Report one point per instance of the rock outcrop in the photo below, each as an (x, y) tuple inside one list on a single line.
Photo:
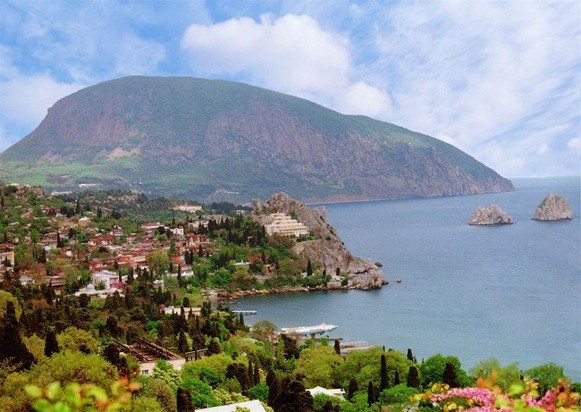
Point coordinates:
[(553, 207), (327, 250), (491, 215)]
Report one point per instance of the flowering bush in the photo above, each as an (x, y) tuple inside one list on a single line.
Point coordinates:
[(488, 397)]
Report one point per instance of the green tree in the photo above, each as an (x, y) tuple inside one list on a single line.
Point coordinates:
[(397, 394), (547, 375), (317, 364), (158, 262), (74, 367), (432, 370), (505, 375), (74, 339), (353, 387), (259, 391), (161, 390)]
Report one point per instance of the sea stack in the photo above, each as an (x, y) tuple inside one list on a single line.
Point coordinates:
[(491, 215), (553, 207)]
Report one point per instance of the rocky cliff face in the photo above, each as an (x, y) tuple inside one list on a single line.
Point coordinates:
[(491, 215), (327, 250), (553, 207)]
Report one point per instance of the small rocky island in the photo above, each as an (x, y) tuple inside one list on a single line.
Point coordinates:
[(553, 207), (491, 215), (325, 249)]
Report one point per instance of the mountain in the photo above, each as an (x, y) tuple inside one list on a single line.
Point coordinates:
[(217, 140)]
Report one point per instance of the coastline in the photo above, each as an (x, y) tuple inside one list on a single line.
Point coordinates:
[(287, 289)]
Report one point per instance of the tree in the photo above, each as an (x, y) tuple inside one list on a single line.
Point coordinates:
[(273, 387), (65, 368), (432, 370), (410, 355), (51, 344), (353, 387), (183, 346), (317, 365), (383, 374), (158, 262), (449, 376), (12, 348), (73, 339), (184, 401), (214, 347), (370, 394), (413, 380), (309, 268), (546, 375), (337, 347), (504, 376)]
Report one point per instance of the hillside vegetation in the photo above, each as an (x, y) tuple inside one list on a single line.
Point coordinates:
[(216, 140)]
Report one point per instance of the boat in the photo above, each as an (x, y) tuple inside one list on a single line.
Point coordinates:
[(309, 330)]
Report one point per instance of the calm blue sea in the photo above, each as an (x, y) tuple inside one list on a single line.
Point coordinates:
[(512, 292)]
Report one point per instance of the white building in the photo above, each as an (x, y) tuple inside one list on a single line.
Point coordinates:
[(283, 224), (105, 277)]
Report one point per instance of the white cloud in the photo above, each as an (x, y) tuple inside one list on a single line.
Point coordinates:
[(25, 99), (575, 144), (490, 76), (291, 54)]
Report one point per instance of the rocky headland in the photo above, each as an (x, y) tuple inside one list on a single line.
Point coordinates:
[(491, 215), (326, 250), (553, 207)]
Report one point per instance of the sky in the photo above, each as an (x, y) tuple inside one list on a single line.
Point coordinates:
[(499, 80)]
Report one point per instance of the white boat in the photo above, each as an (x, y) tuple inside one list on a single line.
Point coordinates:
[(309, 330)]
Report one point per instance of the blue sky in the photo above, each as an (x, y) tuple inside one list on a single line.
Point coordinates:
[(500, 80)]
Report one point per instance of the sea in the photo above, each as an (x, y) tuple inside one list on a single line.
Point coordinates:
[(512, 292)]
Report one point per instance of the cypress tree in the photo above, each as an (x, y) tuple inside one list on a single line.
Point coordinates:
[(12, 348), (273, 388), (337, 347), (241, 321), (396, 379), (180, 281), (51, 344), (352, 389), (383, 383), (186, 303), (256, 374), (309, 268), (450, 377), (214, 347), (182, 342), (370, 394), (184, 400), (410, 355), (413, 380)]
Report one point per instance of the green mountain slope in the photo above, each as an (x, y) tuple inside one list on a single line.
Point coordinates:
[(212, 140)]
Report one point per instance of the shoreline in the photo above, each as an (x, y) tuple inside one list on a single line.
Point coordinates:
[(238, 294)]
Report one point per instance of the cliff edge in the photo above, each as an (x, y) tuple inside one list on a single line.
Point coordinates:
[(327, 250)]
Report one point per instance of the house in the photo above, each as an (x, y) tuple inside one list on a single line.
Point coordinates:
[(151, 226), (6, 254), (189, 208), (253, 406), (147, 353), (339, 393), (84, 221), (104, 277), (91, 291), (283, 224)]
